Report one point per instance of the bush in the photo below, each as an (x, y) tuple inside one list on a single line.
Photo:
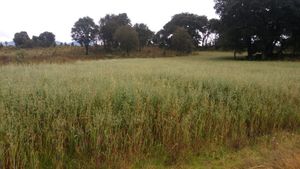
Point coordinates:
[(181, 41), (127, 38)]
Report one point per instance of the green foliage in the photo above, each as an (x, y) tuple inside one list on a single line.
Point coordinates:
[(84, 32), (194, 24), (22, 40), (259, 26), (127, 38), (144, 33), (109, 25), (181, 41), (161, 39), (46, 39), (106, 114)]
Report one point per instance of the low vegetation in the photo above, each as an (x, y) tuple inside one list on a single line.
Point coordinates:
[(115, 113), (63, 54)]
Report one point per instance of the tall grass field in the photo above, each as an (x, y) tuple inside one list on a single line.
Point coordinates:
[(114, 113)]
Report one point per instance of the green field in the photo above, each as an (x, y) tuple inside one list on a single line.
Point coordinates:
[(121, 113)]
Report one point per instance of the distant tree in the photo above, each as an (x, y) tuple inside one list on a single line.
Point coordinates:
[(84, 32), (181, 41), (194, 24), (109, 25), (46, 39), (22, 40), (144, 33), (35, 41), (161, 39), (127, 38), (1, 45), (6, 43)]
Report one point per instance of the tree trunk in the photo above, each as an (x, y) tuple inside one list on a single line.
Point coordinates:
[(250, 53), (205, 38), (295, 46), (249, 49), (234, 54), (86, 49), (294, 51), (268, 52), (281, 49)]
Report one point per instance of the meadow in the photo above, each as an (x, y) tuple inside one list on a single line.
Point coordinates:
[(67, 54), (120, 113)]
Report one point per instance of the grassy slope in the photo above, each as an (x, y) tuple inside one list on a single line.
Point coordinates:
[(131, 107)]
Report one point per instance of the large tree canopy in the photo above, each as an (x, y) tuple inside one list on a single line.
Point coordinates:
[(194, 24), (127, 38), (46, 39), (144, 33), (259, 26), (22, 40), (109, 25), (181, 41), (84, 32)]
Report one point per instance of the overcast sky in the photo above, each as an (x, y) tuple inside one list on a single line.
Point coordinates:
[(58, 16)]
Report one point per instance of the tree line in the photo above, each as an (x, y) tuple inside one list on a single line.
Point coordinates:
[(45, 39), (183, 33), (113, 31), (265, 29)]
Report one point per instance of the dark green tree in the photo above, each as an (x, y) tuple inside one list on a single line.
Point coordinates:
[(144, 33), (237, 25), (85, 32), (46, 39), (161, 39), (194, 24), (109, 25), (181, 41), (22, 40), (293, 25), (127, 38), (35, 41), (259, 26)]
